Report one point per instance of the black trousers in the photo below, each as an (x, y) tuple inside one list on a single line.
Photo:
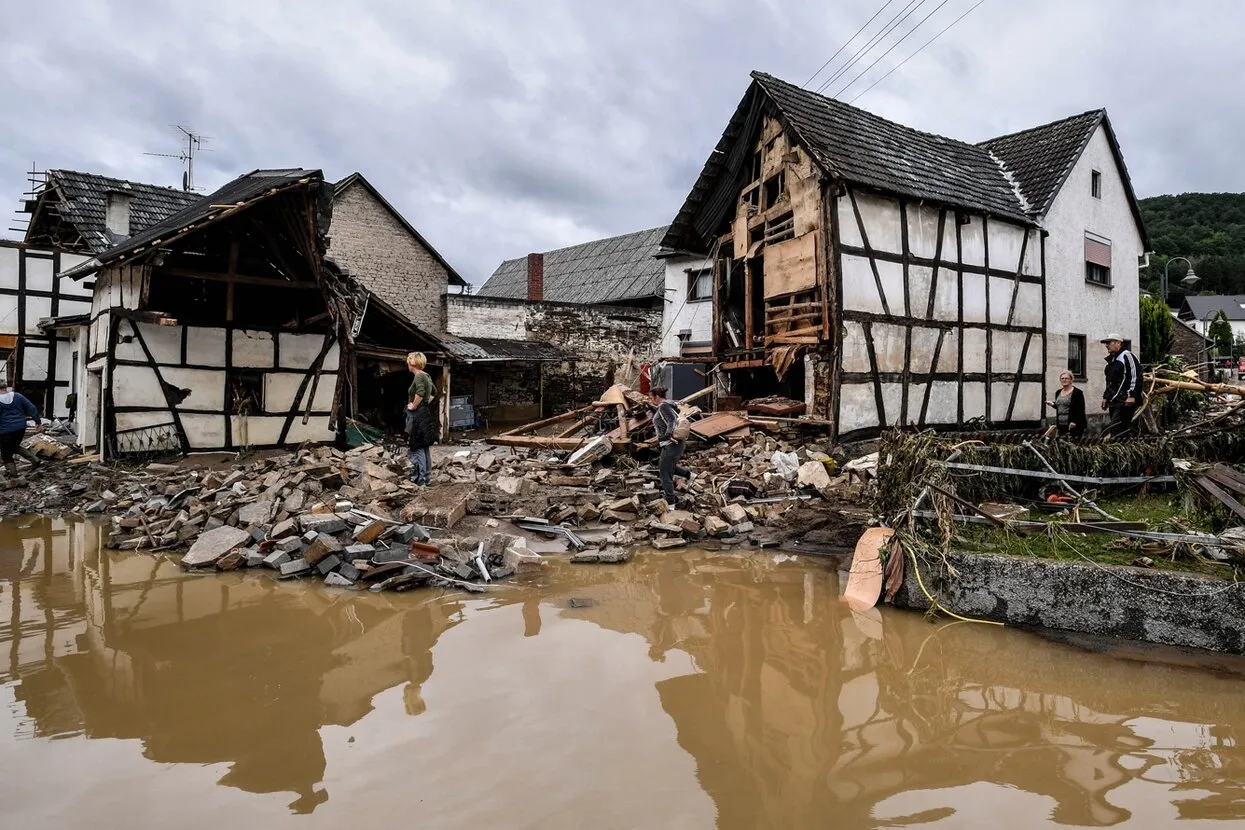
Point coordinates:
[(10, 444), (1121, 425), (668, 467)]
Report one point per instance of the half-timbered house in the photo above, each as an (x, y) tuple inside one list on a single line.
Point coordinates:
[(884, 275), (221, 326)]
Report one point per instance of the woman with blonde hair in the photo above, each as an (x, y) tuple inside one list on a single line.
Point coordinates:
[(1069, 405), (421, 419)]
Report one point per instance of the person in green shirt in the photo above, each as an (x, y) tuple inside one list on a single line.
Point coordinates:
[(421, 420)]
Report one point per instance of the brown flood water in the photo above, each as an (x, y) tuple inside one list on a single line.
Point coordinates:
[(683, 690)]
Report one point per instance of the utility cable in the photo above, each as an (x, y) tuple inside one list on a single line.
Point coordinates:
[(917, 52), (859, 55), (847, 43), (909, 34)]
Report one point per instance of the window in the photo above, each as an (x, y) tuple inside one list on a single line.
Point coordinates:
[(699, 285), (1076, 355), (1095, 184), (775, 189), (1097, 260)]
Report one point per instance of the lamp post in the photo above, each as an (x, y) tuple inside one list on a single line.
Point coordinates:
[(1189, 280)]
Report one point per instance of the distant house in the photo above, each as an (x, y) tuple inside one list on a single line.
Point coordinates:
[(618, 271), (888, 276), (1200, 312), (1190, 345), (1072, 178)]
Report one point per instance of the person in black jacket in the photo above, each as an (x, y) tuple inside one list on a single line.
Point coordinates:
[(1069, 405), (665, 419), (1123, 390)]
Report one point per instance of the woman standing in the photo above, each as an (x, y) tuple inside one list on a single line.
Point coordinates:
[(421, 422), (1069, 406)]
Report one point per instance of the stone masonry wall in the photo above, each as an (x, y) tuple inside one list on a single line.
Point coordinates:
[(599, 337), (369, 242)]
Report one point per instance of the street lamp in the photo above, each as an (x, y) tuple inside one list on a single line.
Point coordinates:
[(1189, 280)]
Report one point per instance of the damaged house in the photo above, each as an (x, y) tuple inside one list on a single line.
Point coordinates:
[(883, 275), (549, 332), (223, 326)]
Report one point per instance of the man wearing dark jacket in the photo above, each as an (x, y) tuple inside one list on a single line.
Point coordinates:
[(665, 419), (1123, 390), (15, 408)]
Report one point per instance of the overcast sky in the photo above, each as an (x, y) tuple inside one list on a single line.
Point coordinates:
[(500, 127)]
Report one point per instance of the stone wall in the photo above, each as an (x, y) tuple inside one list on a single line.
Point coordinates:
[(1112, 601), (374, 246), (1188, 344), (598, 338)]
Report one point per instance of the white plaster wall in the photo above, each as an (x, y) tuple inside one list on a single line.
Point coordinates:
[(480, 317), (679, 313), (253, 349), (299, 351), (1072, 305)]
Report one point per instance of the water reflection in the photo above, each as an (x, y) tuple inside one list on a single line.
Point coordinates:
[(796, 712)]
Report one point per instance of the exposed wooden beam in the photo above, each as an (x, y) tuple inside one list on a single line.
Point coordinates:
[(239, 278)]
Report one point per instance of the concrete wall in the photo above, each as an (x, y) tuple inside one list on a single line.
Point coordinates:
[(983, 335), (370, 243), (1072, 304), (1112, 601), (681, 313)]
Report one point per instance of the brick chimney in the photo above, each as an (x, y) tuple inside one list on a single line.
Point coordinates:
[(535, 276), (117, 213)]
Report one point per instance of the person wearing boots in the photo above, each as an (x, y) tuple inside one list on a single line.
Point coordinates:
[(15, 408), (1123, 387)]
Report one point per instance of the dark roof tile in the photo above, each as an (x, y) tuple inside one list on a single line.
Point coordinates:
[(83, 203), (1040, 159), (602, 271)]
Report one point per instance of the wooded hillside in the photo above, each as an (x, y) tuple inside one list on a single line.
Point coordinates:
[(1209, 228)]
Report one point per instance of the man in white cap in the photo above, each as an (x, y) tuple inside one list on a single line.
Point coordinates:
[(1123, 389)]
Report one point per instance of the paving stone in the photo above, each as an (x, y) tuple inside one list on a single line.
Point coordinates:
[(295, 567), (214, 544), (322, 523), (328, 563)]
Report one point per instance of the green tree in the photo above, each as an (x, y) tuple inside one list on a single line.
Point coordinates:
[(1156, 329), (1221, 332)]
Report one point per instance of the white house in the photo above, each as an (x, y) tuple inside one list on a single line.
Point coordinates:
[(1072, 177), (687, 326), (1200, 312)]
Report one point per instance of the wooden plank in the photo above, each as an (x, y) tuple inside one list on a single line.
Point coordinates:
[(785, 309), (741, 234), (1226, 478), (556, 419), (718, 424), (743, 364), (791, 266), (535, 441), (1226, 500), (981, 468)]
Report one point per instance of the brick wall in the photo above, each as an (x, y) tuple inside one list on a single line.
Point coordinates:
[(1188, 344), (599, 337), (370, 243)]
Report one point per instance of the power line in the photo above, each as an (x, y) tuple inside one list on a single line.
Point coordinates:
[(847, 42), (892, 24), (909, 34), (918, 51)]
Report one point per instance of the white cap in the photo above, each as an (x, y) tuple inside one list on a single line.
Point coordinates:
[(1110, 337)]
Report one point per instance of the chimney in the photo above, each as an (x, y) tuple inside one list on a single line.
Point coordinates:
[(535, 276), (117, 216)]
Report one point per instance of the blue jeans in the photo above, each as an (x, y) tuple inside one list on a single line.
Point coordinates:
[(421, 464), (668, 467)]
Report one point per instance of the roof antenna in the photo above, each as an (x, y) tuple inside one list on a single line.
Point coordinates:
[(194, 143)]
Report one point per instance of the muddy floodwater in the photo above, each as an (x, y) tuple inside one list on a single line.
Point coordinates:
[(682, 690)]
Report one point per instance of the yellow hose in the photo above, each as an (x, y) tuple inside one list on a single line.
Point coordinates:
[(935, 604)]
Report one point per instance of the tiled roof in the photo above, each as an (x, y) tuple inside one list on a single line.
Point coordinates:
[(1040, 159), (867, 149), (848, 143), (477, 349), (242, 189), (605, 271), (1206, 307), (83, 203)]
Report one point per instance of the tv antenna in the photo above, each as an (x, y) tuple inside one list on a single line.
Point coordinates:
[(194, 144)]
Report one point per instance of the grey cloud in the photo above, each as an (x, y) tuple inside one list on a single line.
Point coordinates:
[(500, 128)]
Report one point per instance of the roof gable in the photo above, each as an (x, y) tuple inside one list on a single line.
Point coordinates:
[(357, 178), (1041, 159), (1205, 307), (80, 200), (850, 144), (610, 270)]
